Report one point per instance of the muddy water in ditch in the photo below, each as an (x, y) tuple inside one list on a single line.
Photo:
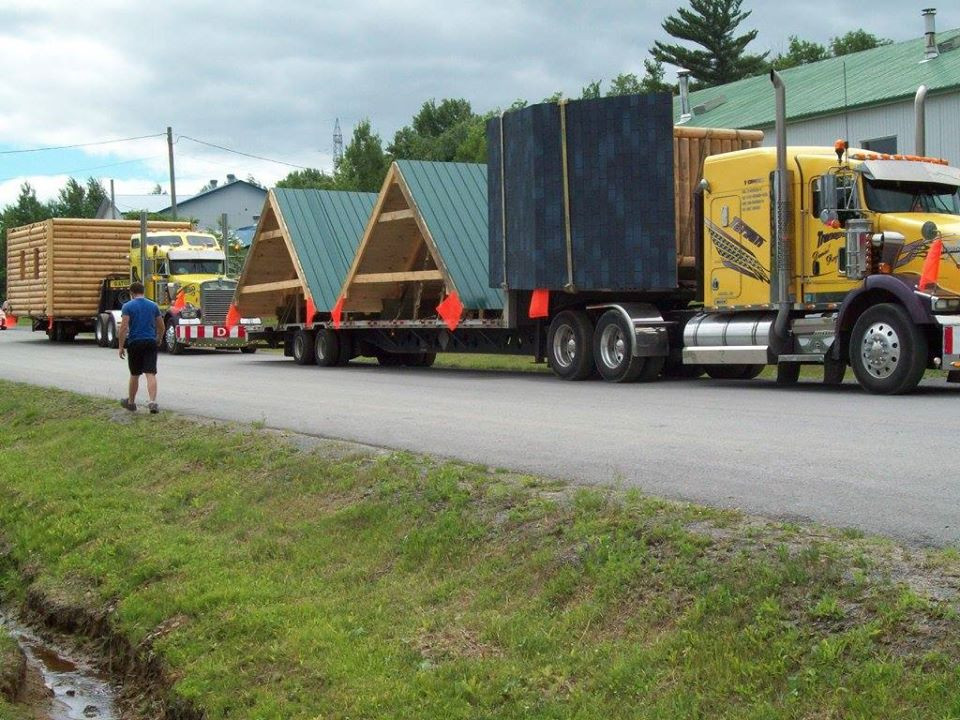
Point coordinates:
[(76, 691)]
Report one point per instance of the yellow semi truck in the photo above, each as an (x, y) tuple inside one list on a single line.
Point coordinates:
[(835, 240), (72, 275)]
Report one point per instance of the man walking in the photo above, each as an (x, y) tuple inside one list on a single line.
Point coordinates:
[(141, 331)]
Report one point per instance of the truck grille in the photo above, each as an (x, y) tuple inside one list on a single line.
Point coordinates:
[(215, 299)]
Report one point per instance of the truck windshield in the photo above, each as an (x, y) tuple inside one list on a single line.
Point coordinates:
[(201, 241), (890, 196), (196, 267)]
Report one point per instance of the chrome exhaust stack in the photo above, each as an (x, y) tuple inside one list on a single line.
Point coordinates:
[(919, 109), (780, 292)]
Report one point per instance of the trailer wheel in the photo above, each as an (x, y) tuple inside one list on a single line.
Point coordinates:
[(833, 371), (788, 373), (170, 342), (326, 348), (113, 342), (611, 349), (346, 349), (248, 349), (888, 352), (569, 342), (303, 347), (99, 331), (389, 359), (421, 359), (733, 372)]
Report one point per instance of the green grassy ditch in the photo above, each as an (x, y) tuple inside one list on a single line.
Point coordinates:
[(11, 677), (279, 577)]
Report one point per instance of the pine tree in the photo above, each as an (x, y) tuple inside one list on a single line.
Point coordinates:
[(711, 24)]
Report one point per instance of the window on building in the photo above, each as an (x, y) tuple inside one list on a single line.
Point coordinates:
[(887, 145), (23, 264), (36, 264)]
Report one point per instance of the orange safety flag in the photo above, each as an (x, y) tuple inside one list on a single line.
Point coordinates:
[(931, 266), (311, 310), (233, 316), (180, 302), (450, 310), (337, 313), (539, 304)]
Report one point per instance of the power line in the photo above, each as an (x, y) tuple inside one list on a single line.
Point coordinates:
[(238, 152), (80, 170), (78, 145)]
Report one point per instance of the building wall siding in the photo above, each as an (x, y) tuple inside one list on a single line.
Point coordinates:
[(241, 202), (943, 140)]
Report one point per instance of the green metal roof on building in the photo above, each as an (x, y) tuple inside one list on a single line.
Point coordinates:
[(452, 200), (864, 79), (326, 227)]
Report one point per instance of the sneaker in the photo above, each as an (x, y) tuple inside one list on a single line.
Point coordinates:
[(127, 405), (153, 407)]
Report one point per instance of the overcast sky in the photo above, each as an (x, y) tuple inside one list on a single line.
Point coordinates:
[(270, 78)]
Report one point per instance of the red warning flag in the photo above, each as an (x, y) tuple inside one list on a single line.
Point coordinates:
[(539, 304), (336, 313), (50, 324), (931, 266), (311, 310), (180, 302), (233, 316), (450, 310)]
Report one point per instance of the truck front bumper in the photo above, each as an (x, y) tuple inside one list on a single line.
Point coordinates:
[(214, 336)]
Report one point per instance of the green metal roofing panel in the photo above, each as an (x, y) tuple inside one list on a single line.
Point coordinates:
[(452, 200), (872, 77), (326, 227)]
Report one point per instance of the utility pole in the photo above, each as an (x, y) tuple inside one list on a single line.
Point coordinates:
[(337, 144), (173, 180), (143, 247), (226, 245), (113, 202)]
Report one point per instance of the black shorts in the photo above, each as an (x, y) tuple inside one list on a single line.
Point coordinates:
[(142, 357)]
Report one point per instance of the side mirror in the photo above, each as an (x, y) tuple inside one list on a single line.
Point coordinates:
[(929, 231)]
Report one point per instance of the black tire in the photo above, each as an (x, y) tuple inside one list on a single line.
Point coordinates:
[(326, 347), (612, 349), (674, 369), (303, 347), (248, 349), (113, 341), (733, 372), (346, 349), (99, 331), (833, 371), (421, 359), (389, 359), (170, 342), (888, 353), (569, 345), (788, 373)]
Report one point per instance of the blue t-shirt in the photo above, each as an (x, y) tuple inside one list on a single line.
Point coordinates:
[(142, 314)]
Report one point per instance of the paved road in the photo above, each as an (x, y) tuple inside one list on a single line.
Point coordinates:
[(837, 456)]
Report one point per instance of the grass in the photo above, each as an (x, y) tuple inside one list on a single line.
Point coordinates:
[(283, 582), (9, 664)]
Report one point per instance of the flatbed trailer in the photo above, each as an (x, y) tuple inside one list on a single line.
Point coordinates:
[(598, 249)]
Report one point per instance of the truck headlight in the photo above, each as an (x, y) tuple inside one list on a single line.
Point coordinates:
[(946, 303)]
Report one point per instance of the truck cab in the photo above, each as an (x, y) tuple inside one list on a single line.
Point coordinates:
[(859, 231), (185, 276)]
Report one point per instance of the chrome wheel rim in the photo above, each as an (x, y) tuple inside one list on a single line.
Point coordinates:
[(98, 331), (171, 337), (880, 350), (612, 346), (564, 346), (111, 332), (320, 347)]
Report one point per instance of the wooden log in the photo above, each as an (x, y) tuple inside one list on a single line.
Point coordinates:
[(396, 215), (271, 286), (390, 277)]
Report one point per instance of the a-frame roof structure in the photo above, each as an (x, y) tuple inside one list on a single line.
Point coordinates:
[(426, 238), (303, 246)]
